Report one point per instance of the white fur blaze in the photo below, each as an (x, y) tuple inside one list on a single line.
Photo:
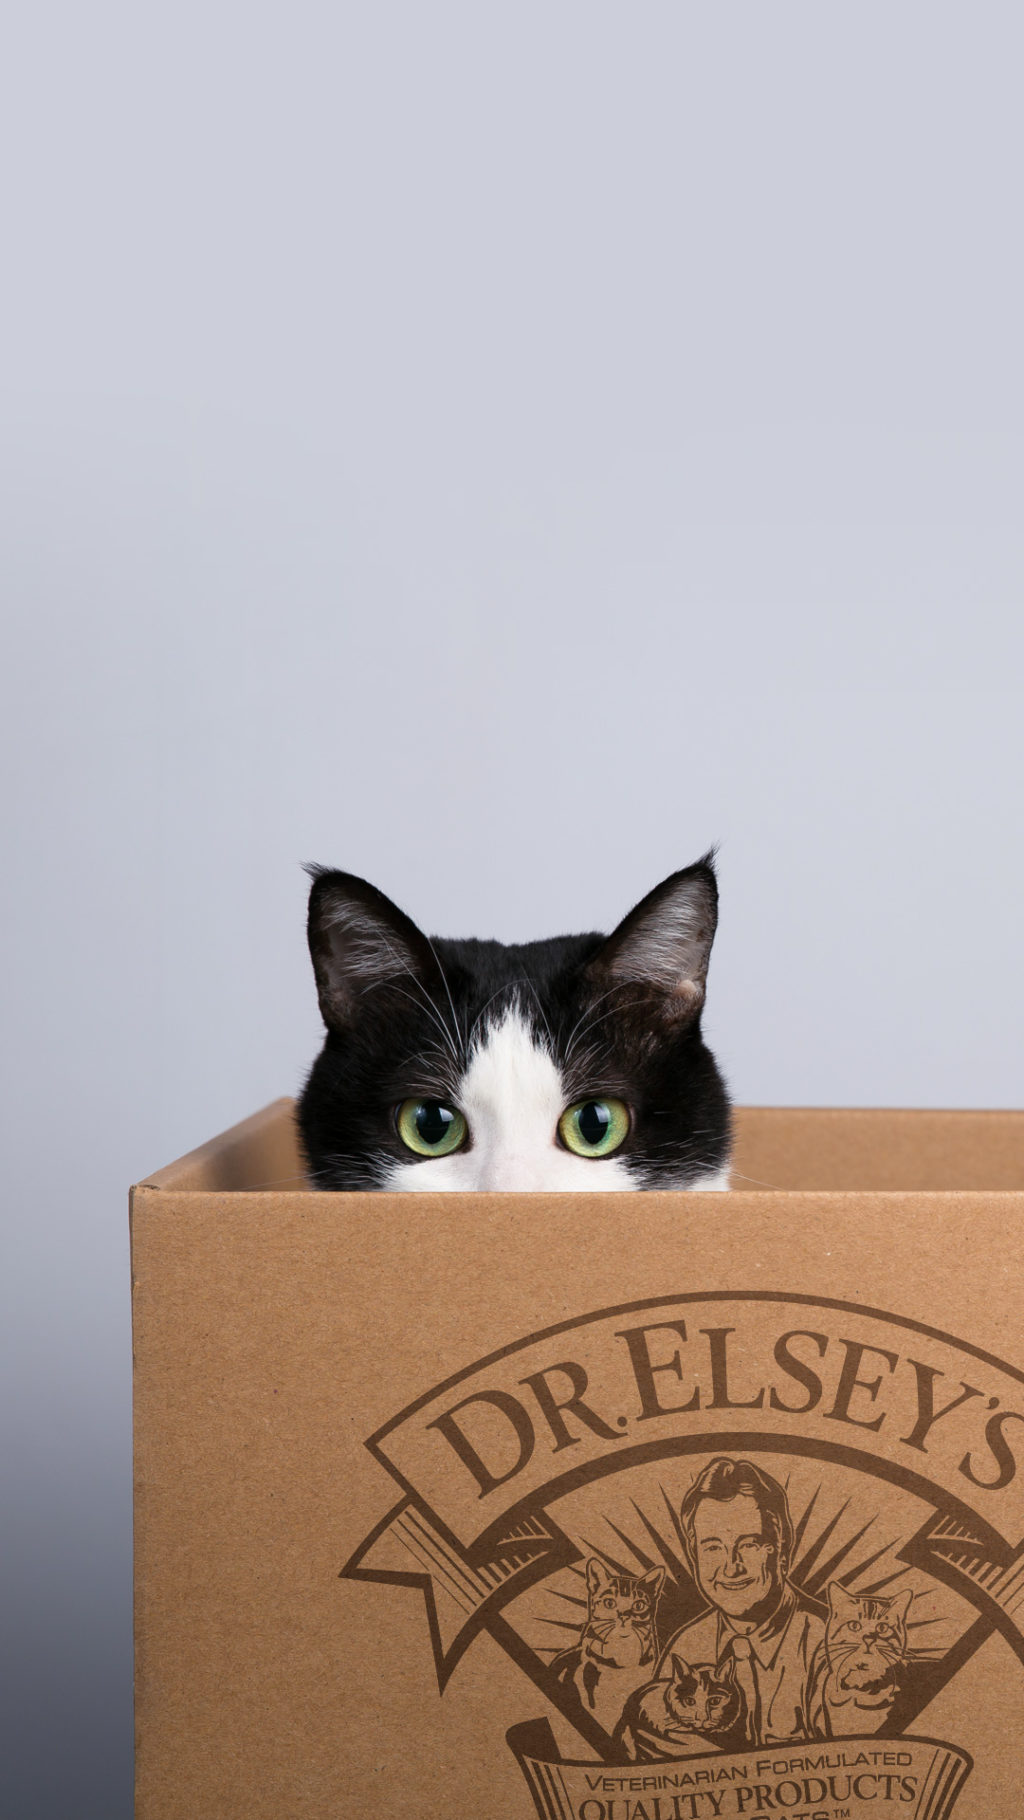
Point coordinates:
[(512, 1096)]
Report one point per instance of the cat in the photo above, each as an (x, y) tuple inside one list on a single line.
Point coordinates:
[(567, 1064), (618, 1646), (866, 1650), (698, 1708)]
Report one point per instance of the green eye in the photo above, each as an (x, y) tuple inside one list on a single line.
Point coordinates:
[(594, 1127), (430, 1127)]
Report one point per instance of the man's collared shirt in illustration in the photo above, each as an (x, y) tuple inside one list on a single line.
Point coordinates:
[(780, 1666)]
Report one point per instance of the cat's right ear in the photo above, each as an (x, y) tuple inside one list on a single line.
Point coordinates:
[(681, 1671), (654, 1580), (359, 939), (664, 944), (899, 1606)]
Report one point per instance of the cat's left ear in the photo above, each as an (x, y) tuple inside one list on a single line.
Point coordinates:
[(842, 1604), (664, 944), (598, 1576)]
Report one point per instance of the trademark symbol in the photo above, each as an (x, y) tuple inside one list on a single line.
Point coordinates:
[(842, 1813)]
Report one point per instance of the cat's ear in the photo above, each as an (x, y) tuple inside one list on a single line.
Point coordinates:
[(899, 1605), (681, 1670), (727, 1672), (665, 942), (598, 1576), (842, 1604), (359, 939), (653, 1581)]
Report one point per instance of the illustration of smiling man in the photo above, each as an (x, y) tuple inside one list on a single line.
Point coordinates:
[(738, 1536)]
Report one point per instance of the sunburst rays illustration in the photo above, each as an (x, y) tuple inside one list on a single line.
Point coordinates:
[(840, 1534)]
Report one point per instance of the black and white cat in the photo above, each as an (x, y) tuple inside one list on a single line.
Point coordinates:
[(575, 1063), (694, 1710)]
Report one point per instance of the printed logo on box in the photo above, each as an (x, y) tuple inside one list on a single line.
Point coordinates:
[(740, 1542)]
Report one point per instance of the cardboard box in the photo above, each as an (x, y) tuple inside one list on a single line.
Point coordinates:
[(392, 1452)]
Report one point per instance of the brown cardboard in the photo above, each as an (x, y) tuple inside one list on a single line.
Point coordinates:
[(340, 1612)]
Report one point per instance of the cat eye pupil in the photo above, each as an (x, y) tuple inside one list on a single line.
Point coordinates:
[(593, 1121), (432, 1121)]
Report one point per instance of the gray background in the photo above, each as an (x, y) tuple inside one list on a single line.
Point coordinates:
[(500, 450)]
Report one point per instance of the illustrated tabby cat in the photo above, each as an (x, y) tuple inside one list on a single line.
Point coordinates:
[(574, 1063), (866, 1649), (698, 1708), (618, 1646)]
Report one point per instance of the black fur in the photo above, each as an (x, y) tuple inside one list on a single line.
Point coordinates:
[(620, 1016)]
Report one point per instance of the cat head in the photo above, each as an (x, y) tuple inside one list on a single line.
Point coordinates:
[(866, 1637), (619, 1601), (701, 1697), (575, 1063)]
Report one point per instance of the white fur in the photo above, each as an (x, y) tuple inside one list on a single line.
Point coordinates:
[(712, 1184), (512, 1097)]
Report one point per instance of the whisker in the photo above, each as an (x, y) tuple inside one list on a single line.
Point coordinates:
[(459, 1038), (428, 1005), (582, 1020), (433, 1054), (740, 1177), (605, 1015), (404, 967), (506, 987), (526, 981), (512, 985)]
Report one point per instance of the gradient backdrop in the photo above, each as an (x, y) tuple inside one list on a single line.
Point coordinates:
[(498, 449)]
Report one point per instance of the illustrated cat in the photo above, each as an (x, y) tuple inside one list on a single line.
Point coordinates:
[(698, 1708), (866, 1649), (618, 1646), (568, 1064)]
